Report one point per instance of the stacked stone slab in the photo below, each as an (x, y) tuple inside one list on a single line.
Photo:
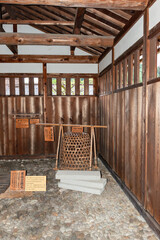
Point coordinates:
[(83, 181)]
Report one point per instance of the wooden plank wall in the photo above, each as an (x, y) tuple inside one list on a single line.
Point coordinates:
[(30, 141), (121, 142)]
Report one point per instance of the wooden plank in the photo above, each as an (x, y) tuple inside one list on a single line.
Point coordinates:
[(156, 195), (59, 86), (145, 105), (86, 86), (31, 86), (130, 69), (45, 91), (130, 4), (2, 86), (136, 66), (120, 75), (77, 86), (55, 39), (47, 59), (68, 86), (37, 22), (151, 148), (21, 86), (153, 58), (49, 86), (125, 84), (12, 86)]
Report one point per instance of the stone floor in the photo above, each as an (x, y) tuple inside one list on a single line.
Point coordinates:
[(67, 215)]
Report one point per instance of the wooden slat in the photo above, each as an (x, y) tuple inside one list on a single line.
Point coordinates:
[(68, 86), (130, 69), (77, 86), (48, 59), (49, 86), (116, 4), (153, 58), (54, 39), (37, 22), (136, 66), (21, 86), (125, 84), (59, 86), (31, 86), (12, 86), (2, 86)]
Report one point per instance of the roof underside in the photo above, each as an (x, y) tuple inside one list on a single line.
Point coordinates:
[(101, 22)]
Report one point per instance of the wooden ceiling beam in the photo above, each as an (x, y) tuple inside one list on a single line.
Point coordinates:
[(12, 48), (113, 15), (55, 39), (22, 14), (79, 17), (47, 59), (111, 4), (38, 22), (102, 20)]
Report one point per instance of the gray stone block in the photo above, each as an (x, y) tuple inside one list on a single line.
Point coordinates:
[(78, 175), (92, 183), (80, 188)]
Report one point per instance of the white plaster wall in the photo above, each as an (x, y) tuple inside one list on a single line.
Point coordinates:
[(132, 36), (72, 68), (51, 68), (21, 68), (106, 61), (154, 14), (5, 50)]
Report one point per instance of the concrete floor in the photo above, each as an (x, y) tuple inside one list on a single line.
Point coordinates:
[(68, 215)]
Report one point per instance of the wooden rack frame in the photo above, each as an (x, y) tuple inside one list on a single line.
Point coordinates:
[(93, 140)]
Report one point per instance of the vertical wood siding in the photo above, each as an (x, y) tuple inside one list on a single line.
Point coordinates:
[(30, 141), (121, 143)]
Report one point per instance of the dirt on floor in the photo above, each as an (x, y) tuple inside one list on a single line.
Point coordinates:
[(59, 214)]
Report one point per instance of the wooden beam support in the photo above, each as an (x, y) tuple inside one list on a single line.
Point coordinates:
[(12, 47), (111, 4), (45, 92), (145, 105), (54, 39), (38, 22), (79, 16), (47, 59)]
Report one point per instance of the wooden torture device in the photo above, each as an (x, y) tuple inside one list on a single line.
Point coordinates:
[(84, 155)]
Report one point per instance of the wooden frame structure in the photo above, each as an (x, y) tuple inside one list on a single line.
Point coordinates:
[(61, 131)]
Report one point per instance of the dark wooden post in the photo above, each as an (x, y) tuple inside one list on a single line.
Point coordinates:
[(45, 91), (145, 105)]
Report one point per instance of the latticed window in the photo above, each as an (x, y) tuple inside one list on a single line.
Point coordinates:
[(81, 86), (17, 91), (36, 88), (72, 84), (54, 86), (26, 86), (90, 86), (63, 86), (7, 86)]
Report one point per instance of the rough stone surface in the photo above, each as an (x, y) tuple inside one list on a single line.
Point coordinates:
[(68, 215)]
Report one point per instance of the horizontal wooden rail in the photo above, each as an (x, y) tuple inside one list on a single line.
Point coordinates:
[(38, 22), (70, 125), (112, 4), (47, 59), (55, 39)]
